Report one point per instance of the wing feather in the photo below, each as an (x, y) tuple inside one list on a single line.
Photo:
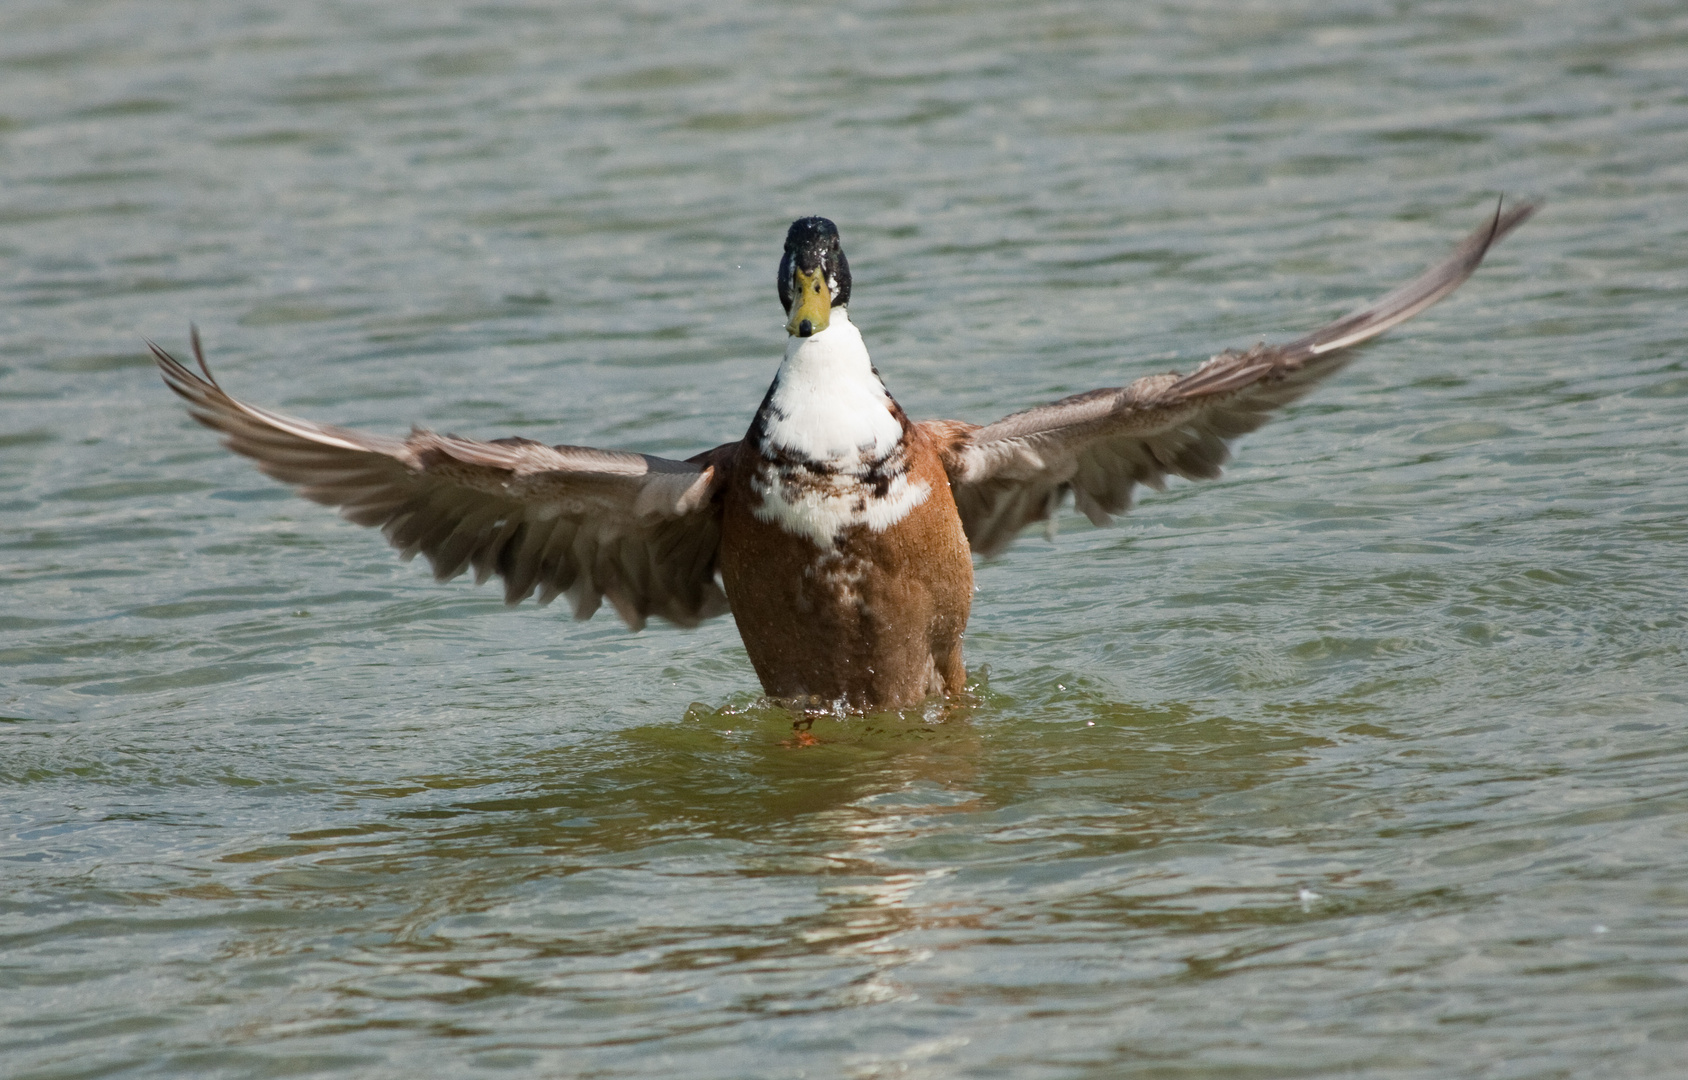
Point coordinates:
[(591, 524), (1102, 443)]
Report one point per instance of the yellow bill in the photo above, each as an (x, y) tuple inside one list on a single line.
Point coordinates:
[(811, 306)]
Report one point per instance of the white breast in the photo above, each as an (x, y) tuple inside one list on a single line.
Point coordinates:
[(827, 403), (831, 439)]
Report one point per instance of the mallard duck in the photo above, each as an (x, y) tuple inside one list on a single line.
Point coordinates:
[(837, 531)]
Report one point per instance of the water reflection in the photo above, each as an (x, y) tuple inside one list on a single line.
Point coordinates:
[(606, 878)]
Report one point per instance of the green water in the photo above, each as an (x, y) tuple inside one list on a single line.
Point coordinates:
[(1367, 760)]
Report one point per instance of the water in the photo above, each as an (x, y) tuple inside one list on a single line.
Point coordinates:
[(1368, 760)]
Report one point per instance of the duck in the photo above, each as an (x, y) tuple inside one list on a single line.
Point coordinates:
[(839, 533)]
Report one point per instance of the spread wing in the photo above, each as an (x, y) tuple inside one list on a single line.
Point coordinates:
[(1100, 444), (590, 524)]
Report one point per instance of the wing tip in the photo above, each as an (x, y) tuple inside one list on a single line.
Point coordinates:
[(1501, 225), (1431, 286)]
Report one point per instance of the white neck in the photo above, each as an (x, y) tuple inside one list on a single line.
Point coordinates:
[(827, 403)]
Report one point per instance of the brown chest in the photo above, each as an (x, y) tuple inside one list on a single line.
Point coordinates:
[(871, 612)]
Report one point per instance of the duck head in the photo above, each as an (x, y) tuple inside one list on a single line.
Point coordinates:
[(814, 276)]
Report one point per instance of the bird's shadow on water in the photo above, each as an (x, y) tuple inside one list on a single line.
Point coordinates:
[(746, 770), (764, 775), (749, 789), (717, 843)]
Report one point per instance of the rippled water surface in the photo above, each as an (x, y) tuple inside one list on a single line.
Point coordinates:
[(1367, 760)]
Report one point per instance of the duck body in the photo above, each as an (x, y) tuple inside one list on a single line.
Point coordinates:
[(842, 552)]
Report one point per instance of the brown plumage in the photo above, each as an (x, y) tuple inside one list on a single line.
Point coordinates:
[(860, 605), (873, 620)]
